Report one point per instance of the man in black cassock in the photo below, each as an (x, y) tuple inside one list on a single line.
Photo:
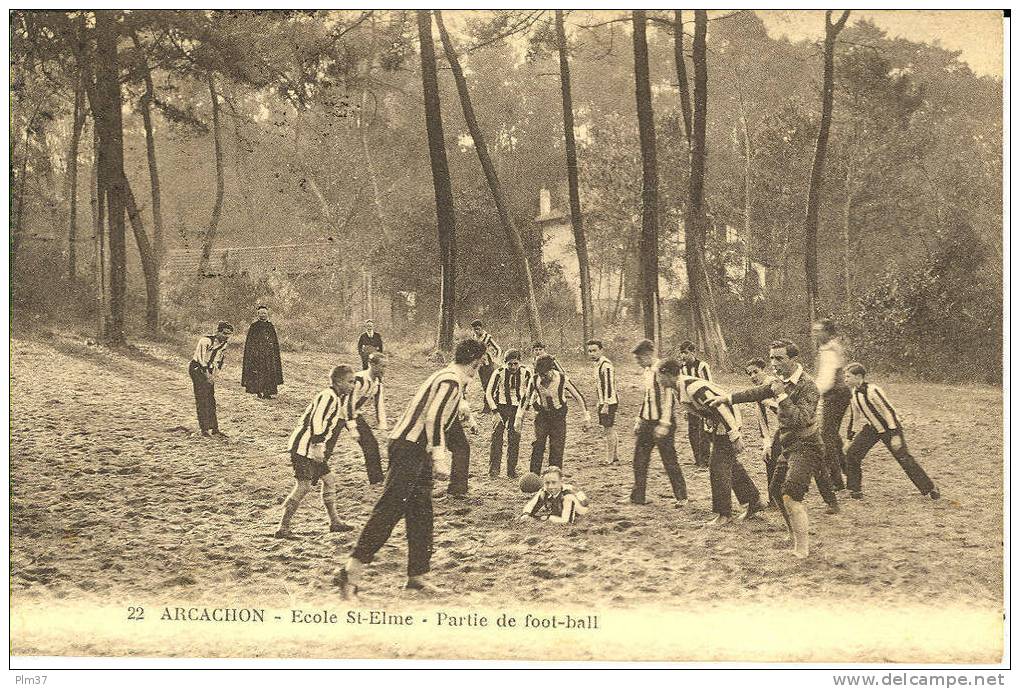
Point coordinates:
[(262, 372)]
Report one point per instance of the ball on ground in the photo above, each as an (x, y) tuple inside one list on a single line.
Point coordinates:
[(531, 483)]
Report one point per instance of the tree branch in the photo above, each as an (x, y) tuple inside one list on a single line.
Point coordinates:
[(522, 25)]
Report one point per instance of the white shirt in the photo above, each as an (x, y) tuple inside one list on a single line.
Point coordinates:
[(830, 360)]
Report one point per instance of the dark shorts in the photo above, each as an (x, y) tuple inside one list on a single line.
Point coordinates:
[(308, 469), (608, 419), (803, 457)]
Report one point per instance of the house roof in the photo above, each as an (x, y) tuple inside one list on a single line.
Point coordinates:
[(290, 259)]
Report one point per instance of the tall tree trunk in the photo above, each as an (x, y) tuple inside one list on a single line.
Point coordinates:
[(576, 219), (619, 290), (818, 165), (150, 264), (19, 202), (98, 220), (708, 331), (512, 232), (752, 285), (72, 156), (214, 223), (847, 210), (111, 164), (681, 72), (440, 182), (648, 248), (145, 103)]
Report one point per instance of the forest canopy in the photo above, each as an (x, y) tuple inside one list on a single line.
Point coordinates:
[(204, 130)]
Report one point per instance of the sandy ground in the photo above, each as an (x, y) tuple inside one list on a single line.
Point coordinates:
[(116, 503)]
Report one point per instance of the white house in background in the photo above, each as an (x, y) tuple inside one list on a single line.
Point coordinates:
[(558, 248)]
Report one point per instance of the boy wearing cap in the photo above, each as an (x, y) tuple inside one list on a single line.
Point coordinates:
[(203, 368)]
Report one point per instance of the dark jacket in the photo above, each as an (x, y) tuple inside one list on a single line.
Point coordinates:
[(374, 341), (797, 412)]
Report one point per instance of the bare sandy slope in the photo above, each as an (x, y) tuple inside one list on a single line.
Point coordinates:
[(115, 503)]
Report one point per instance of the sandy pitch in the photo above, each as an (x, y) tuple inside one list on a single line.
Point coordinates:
[(114, 503)]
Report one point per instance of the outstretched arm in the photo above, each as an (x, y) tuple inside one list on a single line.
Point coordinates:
[(380, 408), (755, 394), (490, 390), (574, 392)]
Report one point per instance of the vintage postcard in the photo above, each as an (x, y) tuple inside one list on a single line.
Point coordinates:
[(508, 335)]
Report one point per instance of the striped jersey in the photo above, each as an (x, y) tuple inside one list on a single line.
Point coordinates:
[(696, 368), (432, 410), (657, 403), (492, 350), (508, 386), (564, 504), (366, 387), (605, 376), (553, 395), (870, 407), (324, 418), (209, 353), (722, 420)]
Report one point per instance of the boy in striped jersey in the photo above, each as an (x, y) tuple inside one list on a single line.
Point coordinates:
[(726, 473), (417, 440), (547, 394), (538, 350), (205, 364), (698, 433), (507, 393), (870, 408), (656, 429), (312, 444), (556, 502), (801, 443), (368, 385), (605, 381), (492, 355)]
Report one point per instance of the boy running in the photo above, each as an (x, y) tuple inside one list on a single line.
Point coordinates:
[(311, 445), (368, 385), (870, 409), (417, 440)]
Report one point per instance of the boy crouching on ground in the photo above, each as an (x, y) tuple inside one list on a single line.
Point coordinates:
[(556, 502)]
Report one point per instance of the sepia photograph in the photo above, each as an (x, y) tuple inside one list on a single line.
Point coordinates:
[(509, 335)]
